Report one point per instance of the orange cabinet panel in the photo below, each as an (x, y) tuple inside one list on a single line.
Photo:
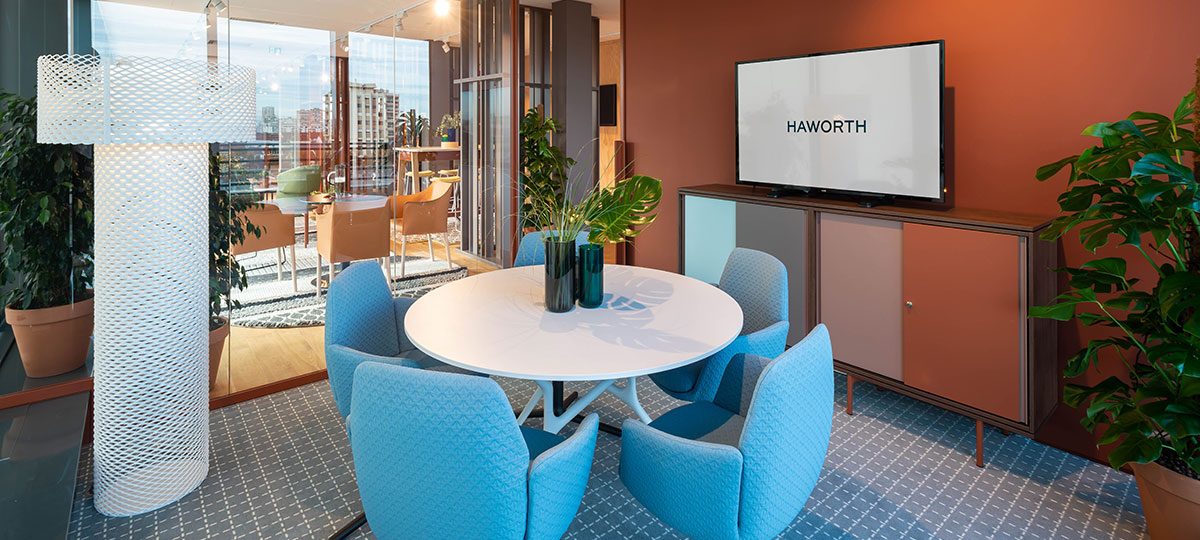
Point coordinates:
[(963, 336)]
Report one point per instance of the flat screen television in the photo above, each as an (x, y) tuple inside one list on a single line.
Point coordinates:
[(866, 121)]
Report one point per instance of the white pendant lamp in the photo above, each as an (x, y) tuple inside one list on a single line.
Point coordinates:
[(151, 120)]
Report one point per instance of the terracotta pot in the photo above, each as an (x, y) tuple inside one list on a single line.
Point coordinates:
[(1171, 502), (216, 346), (55, 340)]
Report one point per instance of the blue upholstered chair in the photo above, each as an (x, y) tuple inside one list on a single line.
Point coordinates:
[(439, 455), (530, 251), (740, 467), (363, 322), (758, 282)]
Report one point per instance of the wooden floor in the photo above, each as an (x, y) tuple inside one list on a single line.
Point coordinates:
[(257, 356)]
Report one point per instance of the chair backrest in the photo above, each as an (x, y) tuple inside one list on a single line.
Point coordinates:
[(430, 216), (300, 180), (531, 252), (437, 455), (786, 436), (359, 314), (355, 234), (758, 281), (278, 229), (397, 202)]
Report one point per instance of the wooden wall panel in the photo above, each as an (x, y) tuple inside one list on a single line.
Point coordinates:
[(860, 291), (962, 335), (610, 73)]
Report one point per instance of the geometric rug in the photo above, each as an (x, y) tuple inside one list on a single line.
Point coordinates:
[(270, 302), (281, 467)]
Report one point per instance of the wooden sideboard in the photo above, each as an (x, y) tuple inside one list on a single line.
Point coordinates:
[(928, 302)]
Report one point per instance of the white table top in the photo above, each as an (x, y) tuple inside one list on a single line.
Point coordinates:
[(496, 323)]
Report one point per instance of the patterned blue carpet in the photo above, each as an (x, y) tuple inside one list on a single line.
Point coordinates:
[(898, 468)]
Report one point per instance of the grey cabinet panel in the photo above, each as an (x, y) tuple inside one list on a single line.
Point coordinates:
[(780, 232)]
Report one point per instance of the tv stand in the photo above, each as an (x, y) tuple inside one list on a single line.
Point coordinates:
[(881, 200), (777, 192)]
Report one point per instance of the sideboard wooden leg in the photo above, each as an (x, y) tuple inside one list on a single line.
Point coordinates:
[(1005, 432), (979, 443), (850, 380)]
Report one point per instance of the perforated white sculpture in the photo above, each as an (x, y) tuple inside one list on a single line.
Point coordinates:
[(151, 120)]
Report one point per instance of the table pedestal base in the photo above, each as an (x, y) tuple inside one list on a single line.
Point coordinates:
[(556, 414)]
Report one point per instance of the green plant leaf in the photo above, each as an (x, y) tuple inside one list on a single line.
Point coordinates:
[(1156, 163), (1135, 448)]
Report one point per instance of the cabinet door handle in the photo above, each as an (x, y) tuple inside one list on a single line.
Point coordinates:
[(908, 305)]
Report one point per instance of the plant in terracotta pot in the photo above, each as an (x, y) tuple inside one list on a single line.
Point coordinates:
[(1137, 189), (46, 228), (227, 226)]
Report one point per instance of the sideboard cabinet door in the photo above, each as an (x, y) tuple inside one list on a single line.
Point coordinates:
[(962, 316), (859, 291)]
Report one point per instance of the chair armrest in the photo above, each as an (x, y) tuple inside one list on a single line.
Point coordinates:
[(341, 361), (769, 342), (557, 480), (692, 486)]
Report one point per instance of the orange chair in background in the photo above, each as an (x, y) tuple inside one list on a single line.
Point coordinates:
[(424, 213), (345, 234), (278, 232)]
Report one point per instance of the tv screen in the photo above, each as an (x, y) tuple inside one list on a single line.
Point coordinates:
[(863, 121)]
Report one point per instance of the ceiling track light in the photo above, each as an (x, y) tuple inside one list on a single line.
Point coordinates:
[(441, 8), (445, 47)]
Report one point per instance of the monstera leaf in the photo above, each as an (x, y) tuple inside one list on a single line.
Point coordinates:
[(619, 211)]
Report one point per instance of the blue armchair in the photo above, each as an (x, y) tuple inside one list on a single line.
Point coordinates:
[(742, 466), (439, 455), (758, 282), (364, 323), (530, 251)]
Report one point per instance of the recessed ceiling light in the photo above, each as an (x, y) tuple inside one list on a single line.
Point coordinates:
[(441, 7)]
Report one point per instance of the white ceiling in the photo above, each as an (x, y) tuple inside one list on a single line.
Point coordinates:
[(341, 16)]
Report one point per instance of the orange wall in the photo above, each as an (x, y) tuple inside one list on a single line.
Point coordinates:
[(1027, 76)]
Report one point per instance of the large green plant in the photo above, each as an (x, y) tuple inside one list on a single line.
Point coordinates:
[(45, 213), (411, 126), (227, 226), (543, 166), (1135, 190)]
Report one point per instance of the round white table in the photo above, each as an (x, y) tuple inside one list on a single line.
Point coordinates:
[(496, 323)]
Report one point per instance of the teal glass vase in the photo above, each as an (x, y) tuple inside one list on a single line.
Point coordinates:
[(560, 275), (590, 269)]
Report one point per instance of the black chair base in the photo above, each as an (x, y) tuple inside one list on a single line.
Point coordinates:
[(350, 527)]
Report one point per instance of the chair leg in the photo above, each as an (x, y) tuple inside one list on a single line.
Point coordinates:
[(305, 217), (279, 263), (429, 240), (446, 241), (293, 254), (403, 252), (387, 269), (331, 268), (318, 275)]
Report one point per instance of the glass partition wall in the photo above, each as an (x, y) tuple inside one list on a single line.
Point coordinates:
[(357, 114)]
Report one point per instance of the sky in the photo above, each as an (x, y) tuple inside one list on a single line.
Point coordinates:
[(292, 63)]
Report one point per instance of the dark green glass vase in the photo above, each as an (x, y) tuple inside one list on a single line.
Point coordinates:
[(591, 275), (560, 275)]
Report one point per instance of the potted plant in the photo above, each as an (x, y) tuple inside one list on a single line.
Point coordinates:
[(609, 214), (227, 226), (1135, 189), (46, 228), (411, 126), (448, 129)]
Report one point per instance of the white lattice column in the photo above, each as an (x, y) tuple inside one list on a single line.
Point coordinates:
[(151, 120)]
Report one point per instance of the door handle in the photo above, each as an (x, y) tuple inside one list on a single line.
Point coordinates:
[(908, 305)]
